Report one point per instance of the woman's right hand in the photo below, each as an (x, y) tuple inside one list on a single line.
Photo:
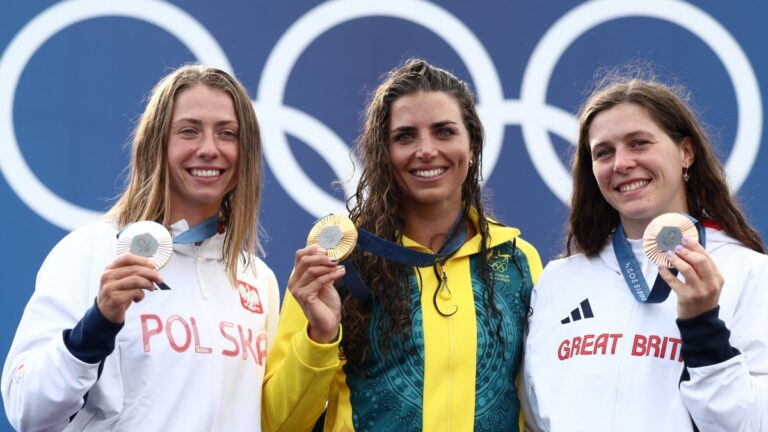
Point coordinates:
[(703, 281), (123, 282), (311, 284)]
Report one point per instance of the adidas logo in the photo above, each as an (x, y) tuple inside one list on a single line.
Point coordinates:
[(584, 309)]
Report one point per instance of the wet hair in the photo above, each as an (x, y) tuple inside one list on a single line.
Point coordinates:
[(592, 219), (147, 191), (377, 207)]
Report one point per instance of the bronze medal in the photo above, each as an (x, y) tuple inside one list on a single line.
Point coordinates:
[(664, 233)]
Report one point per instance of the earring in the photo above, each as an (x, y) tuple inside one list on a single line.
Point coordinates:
[(471, 162), (685, 174)]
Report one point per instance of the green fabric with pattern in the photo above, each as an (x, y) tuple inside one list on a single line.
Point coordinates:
[(389, 397)]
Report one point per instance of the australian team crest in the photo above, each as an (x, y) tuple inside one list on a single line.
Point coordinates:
[(249, 297), (500, 263)]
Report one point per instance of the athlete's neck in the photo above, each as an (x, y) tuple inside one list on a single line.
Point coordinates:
[(430, 226)]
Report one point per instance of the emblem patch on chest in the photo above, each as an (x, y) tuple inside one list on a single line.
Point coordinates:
[(249, 297), (500, 262)]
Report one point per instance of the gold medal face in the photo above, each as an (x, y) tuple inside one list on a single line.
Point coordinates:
[(148, 239), (664, 233), (336, 234)]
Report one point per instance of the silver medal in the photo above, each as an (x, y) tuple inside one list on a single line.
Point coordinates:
[(148, 239)]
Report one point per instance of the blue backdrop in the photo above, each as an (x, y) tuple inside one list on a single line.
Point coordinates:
[(73, 76)]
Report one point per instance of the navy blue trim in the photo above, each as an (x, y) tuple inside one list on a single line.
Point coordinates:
[(93, 337), (705, 340), (354, 283)]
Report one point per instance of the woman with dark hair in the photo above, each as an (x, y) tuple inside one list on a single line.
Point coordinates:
[(602, 354), (436, 347), (99, 347)]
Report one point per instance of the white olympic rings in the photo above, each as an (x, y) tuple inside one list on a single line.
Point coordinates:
[(20, 177), (589, 14), (313, 24), (532, 112)]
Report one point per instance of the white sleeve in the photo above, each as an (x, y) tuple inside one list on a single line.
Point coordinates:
[(732, 395), (43, 384)]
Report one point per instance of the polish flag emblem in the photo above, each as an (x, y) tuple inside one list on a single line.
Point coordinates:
[(249, 297)]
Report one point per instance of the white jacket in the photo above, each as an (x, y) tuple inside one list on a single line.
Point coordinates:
[(188, 359), (620, 368)]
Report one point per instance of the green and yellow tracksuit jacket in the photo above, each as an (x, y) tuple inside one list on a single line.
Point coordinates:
[(452, 374)]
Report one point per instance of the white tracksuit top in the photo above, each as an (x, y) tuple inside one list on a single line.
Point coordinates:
[(598, 360), (188, 359)]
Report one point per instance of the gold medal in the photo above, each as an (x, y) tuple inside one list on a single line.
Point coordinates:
[(664, 233), (336, 234), (148, 239)]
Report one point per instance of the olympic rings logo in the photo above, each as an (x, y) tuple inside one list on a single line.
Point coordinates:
[(531, 111)]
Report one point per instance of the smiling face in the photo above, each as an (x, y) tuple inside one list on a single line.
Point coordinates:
[(203, 152), (429, 150), (638, 167)]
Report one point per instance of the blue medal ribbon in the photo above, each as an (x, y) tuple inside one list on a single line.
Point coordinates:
[(632, 271), (202, 231), (369, 242)]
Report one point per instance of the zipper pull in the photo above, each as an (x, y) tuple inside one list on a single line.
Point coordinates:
[(445, 291)]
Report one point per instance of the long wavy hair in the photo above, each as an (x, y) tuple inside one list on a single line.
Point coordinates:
[(147, 191), (592, 219), (377, 207)]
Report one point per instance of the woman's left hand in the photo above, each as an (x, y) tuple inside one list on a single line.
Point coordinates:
[(703, 282)]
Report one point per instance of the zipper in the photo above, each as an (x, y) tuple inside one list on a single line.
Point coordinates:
[(200, 283), (446, 295), (216, 379), (445, 291), (450, 369)]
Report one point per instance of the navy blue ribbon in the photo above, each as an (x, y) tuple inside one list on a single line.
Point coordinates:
[(367, 241), (632, 271)]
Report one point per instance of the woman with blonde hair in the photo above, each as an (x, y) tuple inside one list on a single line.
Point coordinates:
[(139, 358)]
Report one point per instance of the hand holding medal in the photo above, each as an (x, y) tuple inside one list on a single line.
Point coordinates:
[(148, 239), (315, 271), (662, 238), (125, 279), (674, 240), (665, 233)]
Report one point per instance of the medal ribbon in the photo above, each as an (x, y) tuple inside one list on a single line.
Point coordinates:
[(632, 271), (400, 254), (202, 231)]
